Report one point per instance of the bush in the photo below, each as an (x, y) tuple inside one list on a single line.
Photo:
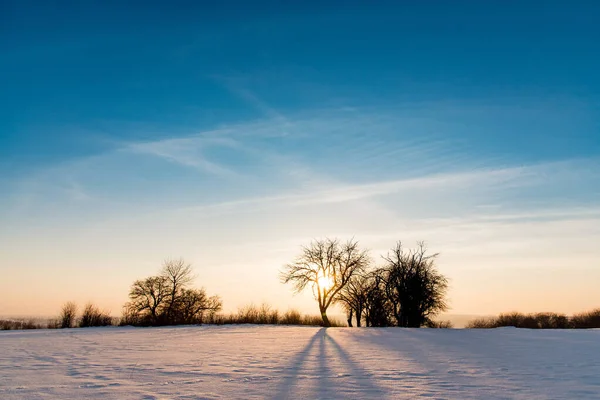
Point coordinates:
[(129, 317), (92, 316), (438, 324), (539, 321), (251, 315), (586, 320), (313, 320), (53, 324), (247, 315), (482, 323), (517, 320), (268, 316), (10, 324), (265, 315), (552, 321), (67, 315), (292, 317)]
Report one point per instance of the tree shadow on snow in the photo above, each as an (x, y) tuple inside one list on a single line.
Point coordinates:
[(284, 390), (326, 388), (361, 376)]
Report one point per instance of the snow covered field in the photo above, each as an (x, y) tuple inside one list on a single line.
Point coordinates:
[(298, 362)]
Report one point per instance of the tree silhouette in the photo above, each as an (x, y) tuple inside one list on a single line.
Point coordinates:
[(192, 304), (166, 299), (353, 298), (148, 297), (413, 285), (327, 266), (378, 306), (178, 274)]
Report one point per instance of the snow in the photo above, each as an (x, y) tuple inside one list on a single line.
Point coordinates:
[(262, 362)]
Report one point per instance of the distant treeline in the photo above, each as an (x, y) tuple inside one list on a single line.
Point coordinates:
[(585, 320), (250, 314), (406, 290), (14, 324)]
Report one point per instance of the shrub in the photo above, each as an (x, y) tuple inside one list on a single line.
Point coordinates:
[(92, 316), (313, 320), (247, 315), (15, 324), (545, 320), (517, 320), (586, 320), (291, 317), (129, 317), (482, 323), (552, 321), (53, 324), (250, 314), (217, 319), (67, 315), (265, 315), (438, 324)]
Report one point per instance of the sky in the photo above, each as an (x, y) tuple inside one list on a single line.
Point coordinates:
[(232, 134)]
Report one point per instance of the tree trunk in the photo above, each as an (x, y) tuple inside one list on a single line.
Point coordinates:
[(326, 323), (350, 318)]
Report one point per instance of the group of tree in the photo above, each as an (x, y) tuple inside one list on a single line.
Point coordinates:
[(407, 290), (404, 289), (168, 299)]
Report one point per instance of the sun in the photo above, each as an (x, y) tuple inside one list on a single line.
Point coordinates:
[(325, 282)]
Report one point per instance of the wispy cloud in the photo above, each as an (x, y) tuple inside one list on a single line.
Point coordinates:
[(328, 158), (188, 151), (467, 182), (253, 100)]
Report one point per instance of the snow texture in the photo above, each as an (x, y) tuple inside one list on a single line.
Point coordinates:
[(252, 362)]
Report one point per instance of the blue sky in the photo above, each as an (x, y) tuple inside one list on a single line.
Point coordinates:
[(189, 128)]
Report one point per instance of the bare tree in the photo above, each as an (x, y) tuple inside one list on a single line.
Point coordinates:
[(68, 314), (353, 298), (378, 306), (148, 296), (166, 299), (178, 274), (414, 287), (93, 316), (327, 266), (193, 303)]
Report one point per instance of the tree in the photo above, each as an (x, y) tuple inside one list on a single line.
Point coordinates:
[(353, 298), (167, 299), (148, 297), (327, 266), (192, 304), (413, 285), (177, 274), (377, 305)]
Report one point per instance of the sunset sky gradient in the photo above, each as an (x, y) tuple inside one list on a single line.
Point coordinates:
[(231, 135)]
